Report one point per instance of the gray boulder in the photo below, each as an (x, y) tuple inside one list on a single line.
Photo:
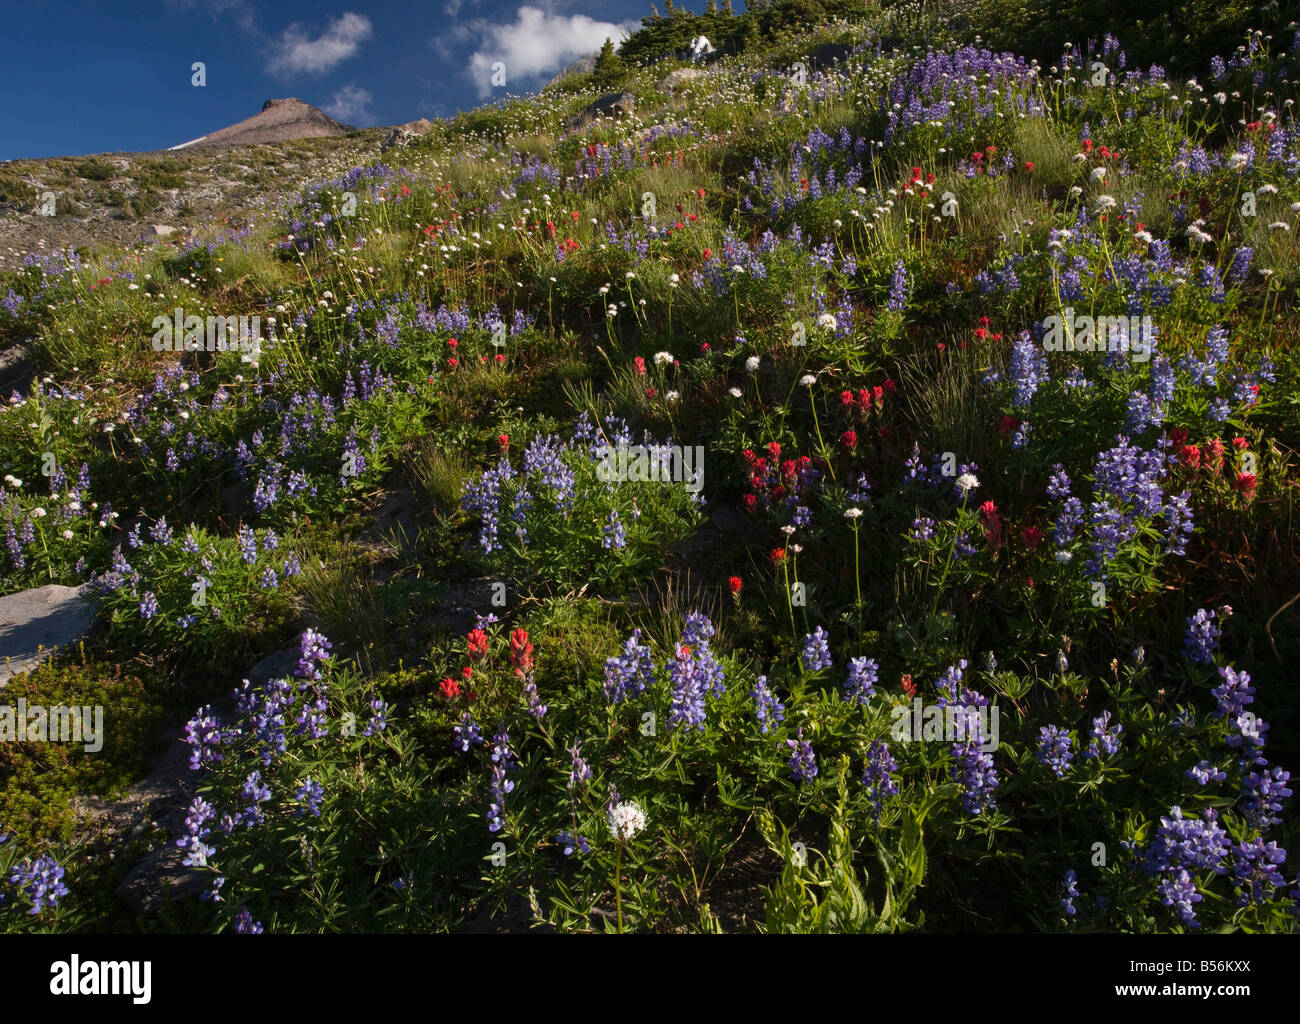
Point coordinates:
[(161, 877), (829, 53), (396, 138), (37, 621), (681, 76), (616, 104)]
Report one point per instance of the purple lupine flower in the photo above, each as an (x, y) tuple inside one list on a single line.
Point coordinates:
[(1028, 368), (379, 712), (503, 759), (898, 287), (579, 770), (1203, 773), (1177, 890), (465, 734), (803, 762), (1104, 737), (1054, 749), (615, 535), (311, 794), (536, 709), (1069, 892), (247, 545), (687, 707), (1202, 637), (629, 673), (877, 776), (1195, 843), (161, 532), (1246, 732), (256, 793), (41, 880), (767, 708), (697, 629), (816, 651), (1234, 693), (1257, 871), (1262, 795), (148, 605), (205, 736), (313, 651), (245, 925), (196, 850), (974, 769), (861, 682), (572, 843)]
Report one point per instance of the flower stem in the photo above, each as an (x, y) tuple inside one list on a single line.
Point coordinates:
[(618, 885)]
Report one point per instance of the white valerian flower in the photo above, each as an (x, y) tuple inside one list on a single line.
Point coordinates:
[(735, 392), (38, 512), (1266, 190), (1144, 236), (1279, 225), (966, 483), (672, 396), (1064, 556), (67, 535), (787, 530), (1197, 235), (852, 513), (826, 321), (751, 364), (629, 275), (1097, 174), (807, 380), (626, 820), (12, 480), (1237, 161), (663, 358), (673, 280), (1295, 207), (1105, 203)]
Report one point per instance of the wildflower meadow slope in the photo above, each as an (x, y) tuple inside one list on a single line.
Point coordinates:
[(849, 495)]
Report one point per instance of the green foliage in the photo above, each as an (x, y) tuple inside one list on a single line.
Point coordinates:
[(40, 778)]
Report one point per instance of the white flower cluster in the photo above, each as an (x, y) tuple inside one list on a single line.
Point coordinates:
[(626, 820)]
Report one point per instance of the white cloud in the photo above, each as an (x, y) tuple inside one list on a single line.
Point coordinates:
[(536, 43), (352, 105), (297, 52)]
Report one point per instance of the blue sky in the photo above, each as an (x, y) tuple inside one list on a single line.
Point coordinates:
[(79, 77)]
